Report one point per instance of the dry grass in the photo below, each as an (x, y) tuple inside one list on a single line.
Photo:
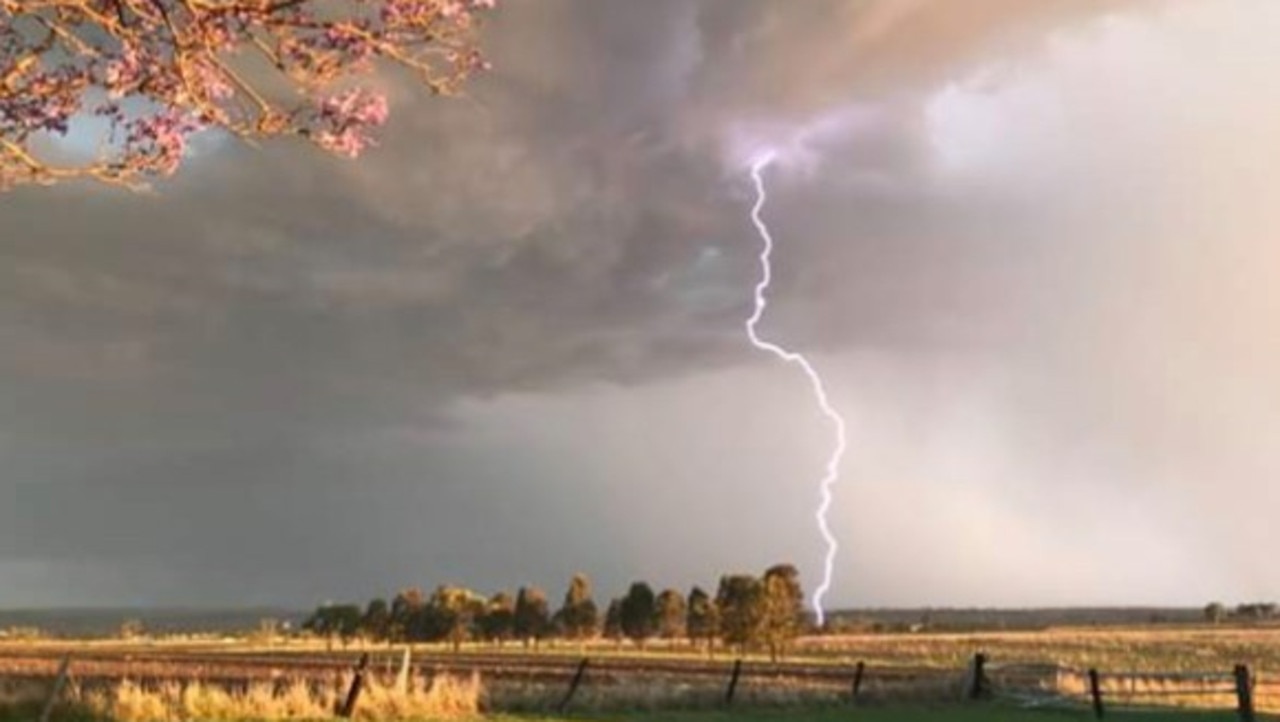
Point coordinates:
[(442, 697), (1172, 649), (1123, 655), (651, 693)]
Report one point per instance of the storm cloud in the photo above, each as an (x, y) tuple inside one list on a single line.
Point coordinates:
[(1028, 244)]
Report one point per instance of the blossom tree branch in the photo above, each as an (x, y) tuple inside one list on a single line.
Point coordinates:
[(158, 71)]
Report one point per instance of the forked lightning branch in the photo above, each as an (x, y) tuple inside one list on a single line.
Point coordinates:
[(819, 389)]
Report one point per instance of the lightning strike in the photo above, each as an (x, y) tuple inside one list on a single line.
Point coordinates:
[(819, 390)]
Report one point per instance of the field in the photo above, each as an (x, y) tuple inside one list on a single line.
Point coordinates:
[(895, 714), (1153, 668), (1160, 649)]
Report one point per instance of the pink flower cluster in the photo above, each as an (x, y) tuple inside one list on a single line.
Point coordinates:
[(162, 70), (347, 118)]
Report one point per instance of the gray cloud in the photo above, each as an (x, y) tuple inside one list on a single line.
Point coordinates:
[(1027, 247)]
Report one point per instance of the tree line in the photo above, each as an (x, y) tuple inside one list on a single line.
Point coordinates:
[(1217, 612), (746, 612)]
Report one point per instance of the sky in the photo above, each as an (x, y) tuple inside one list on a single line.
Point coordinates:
[(1030, 247)]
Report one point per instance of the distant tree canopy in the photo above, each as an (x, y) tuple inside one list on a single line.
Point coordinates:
[(335, 620), (671, 614), (639, 613), (578, 618), (376, 623), (740, 601), (1215, 612), (702, 619), (783, 608), (454, 614), (1255, 611), (405, 613), (532, 615), (613, 620), (153, 72), (499, 621), (747, 611)]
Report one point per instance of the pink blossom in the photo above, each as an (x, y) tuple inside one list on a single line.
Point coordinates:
[(155, 87)]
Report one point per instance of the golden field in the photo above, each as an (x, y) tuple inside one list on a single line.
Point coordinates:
[(171, 679)]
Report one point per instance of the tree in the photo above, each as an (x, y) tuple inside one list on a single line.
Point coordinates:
[(376, 623), (158, 71), (498, 622), (782, 608), (671, 614), (739, 600), (334, 620), (701, 618), (406, 612), (532, 617), (453, 612), (579, 618), (1215, 612), (347, 622), (1255, 610), (639, 613), (613, 621)]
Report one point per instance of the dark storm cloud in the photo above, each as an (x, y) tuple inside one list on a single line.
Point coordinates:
[(516, 238)]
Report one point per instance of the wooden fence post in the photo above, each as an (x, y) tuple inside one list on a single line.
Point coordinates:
[(1095, 691), (978, 676), (573, 685), (357, 683), (402, 676), (59, 682), (733, 682), (857, 679), (1244, 693)]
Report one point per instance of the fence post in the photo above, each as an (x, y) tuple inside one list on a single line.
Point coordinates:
[(357, 683), (1095, 691), (978, 677), (1244, 692), (573, 685), (857, 679), (59, 682), (733, 682), (402, 676)]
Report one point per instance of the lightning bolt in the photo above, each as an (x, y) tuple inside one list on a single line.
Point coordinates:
[(819, 390)]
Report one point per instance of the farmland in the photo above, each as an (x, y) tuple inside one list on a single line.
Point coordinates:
[(1185, 666)]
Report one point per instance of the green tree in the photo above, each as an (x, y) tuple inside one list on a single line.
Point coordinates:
[(613, 621), (334, 620), (782, 610), (532, 616), (1215, 612), (406, 613), (376, 623), (454, 611), (671, 614), (701, 618), (499, 620), (639, 613), (347, 622), (739, 600), (579, 617), (320, 623)]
